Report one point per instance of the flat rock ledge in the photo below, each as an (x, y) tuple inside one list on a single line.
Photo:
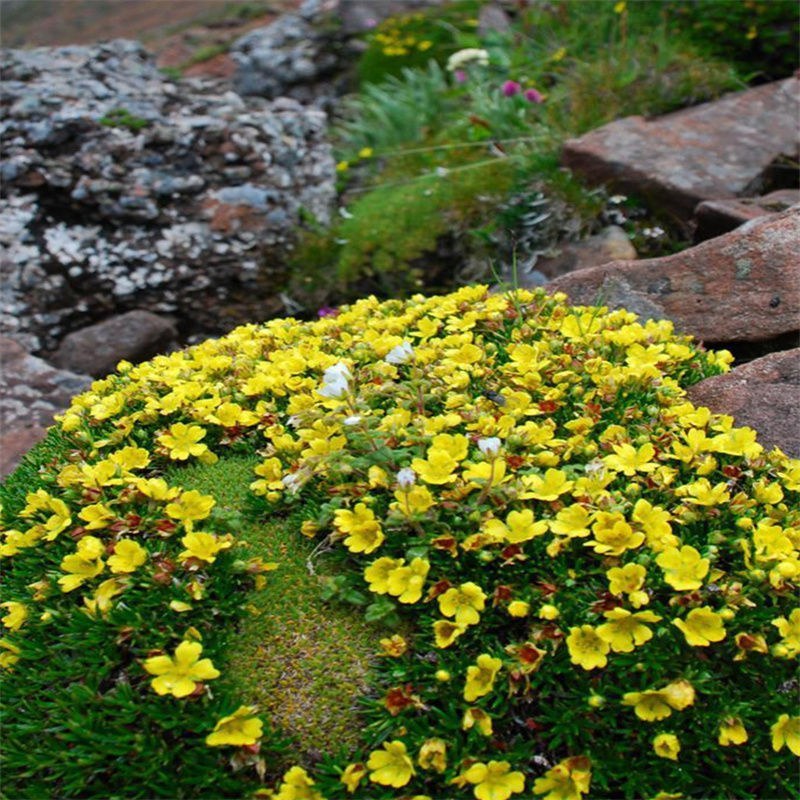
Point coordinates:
[(721, 149), (743, 287), (762, 395)]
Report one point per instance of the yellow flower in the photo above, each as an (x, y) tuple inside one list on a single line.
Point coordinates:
[(628, 460), (480, 678), (550, 487), (433, 755), (613, 535), (786, 732), (96, 516), (390, 766), (297, 785), (82, 565), (378, 572), (571, 521), (548, 611), (684, 569), (666, 745), (587, 648), (128, 556), (9, 655), (478, 718), (625, 630), (363, 529), (417, 500), (352, 776), (182, 441), (464, 603), (365, 152), (522, 528), (494, 781), (789, 629), (519, 608), (203, 546), (239, 729), (629, 580), (129, 458), (656, 704), (702, 493), (179, 675), (701, 627), (406, 583), (394, 646), (619, 8), (437, 469), (342, 166), (567, 780), (190, 507), (17, 614), (447, 632), (732, 731)]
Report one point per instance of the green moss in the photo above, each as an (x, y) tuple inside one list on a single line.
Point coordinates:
[(294, 656)]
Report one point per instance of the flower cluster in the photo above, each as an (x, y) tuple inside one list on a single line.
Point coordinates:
[(594, 579)]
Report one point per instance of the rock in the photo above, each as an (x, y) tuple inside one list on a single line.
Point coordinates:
[(290, 58), (740, 287), (715, 217), (611, 244), (762, 395), (118, 184), (97, 349), (492, 17), (716, 150), (31, 392), (357, 16)]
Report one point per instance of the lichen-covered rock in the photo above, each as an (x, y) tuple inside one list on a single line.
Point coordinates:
[(123, 190)]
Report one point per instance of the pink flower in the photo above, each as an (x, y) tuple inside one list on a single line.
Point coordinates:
[(460, 76), (327, 311), (533, 96), (510, 88)]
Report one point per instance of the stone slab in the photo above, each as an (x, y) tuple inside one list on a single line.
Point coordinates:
[(716, 150), (763, 394), (740, 287)]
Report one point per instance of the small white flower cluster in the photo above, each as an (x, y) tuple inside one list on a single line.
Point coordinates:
[(406, 478), (400, 354), (335, 381), (490, 446), (470, 55)]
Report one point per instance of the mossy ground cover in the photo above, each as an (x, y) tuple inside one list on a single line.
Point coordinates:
[(579, 583)]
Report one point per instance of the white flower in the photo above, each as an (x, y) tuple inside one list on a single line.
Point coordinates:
[(336, 388), (292, 482), (353, 420), (334, 380), (338, 371), (406, 478), (400, 354), (489, 447), (467, 56)]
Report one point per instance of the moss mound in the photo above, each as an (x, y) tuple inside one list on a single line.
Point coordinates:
[(476, 545)]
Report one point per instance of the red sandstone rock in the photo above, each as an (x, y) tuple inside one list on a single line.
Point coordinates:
[(714, 150), (31, 392), (740, 287), (715, 217), (97, 349), (764, 395)]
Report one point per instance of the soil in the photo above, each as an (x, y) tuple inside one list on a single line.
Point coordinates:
[(192, 36)]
